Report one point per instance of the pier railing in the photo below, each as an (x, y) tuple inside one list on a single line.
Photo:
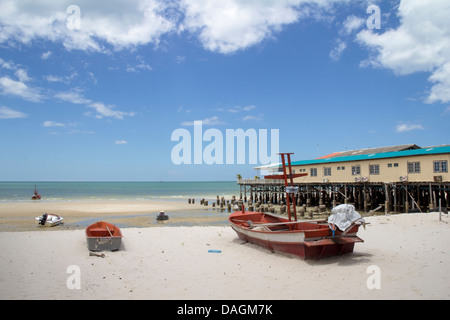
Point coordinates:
[(260, 182)]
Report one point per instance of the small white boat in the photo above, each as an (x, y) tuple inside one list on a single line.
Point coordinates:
[(50, 220)]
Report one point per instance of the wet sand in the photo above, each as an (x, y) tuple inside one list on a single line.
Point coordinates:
[(20, 216)]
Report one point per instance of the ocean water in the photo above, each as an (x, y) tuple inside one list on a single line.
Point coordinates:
[(81, 191)]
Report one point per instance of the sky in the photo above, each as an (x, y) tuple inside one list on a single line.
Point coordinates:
[(95, 90)]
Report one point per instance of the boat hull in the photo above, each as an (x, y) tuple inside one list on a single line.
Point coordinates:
[(103, 236), (305, 240), (49, 220)]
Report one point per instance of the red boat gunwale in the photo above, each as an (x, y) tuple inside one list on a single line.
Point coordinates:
[(100, 229)]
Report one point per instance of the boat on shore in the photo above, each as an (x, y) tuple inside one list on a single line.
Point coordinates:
[(102, 236), (308, 239), (49, 220)]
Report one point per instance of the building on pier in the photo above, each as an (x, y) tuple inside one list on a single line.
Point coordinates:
[(399, 178)]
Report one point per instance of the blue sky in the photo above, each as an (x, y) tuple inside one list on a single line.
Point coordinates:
[(99, 100)]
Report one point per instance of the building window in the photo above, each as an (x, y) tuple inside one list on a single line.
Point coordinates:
[(414, 167), (389, 165), (395, 164), (440, 166), (313, 172), (327, 172), (356, 170), (374, 169)]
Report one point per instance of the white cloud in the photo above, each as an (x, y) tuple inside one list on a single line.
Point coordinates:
[(237, 109), (337, 51), (248, 108), (349, 26), (73, 96), (53, 124), (121, 23), (22, 75), (121, 142), (441, 90), (233, 25), (52, 78), (12, 87), (92, 77), (421, 43), (404, 127), (352, 23), (18, 88), (207, 122), (62, 79), (101, 110), (257, 118), (141, 66), (229, 26), (7, 65), (180, 59), (224, 26), (8, 113), (46, 55), (244, 110)]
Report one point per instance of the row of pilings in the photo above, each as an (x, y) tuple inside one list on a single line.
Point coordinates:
[(366, 197), (220, 203)]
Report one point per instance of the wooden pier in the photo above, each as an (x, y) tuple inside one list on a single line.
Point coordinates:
[(398, 197)]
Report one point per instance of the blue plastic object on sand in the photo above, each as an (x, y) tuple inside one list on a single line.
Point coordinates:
[(214, 251)]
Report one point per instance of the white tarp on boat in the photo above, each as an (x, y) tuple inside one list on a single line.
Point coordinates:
[(343, 216)]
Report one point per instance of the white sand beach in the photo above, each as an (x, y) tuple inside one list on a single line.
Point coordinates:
[(411, 252)]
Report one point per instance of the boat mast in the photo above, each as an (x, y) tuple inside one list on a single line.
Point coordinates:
[(286, 185)]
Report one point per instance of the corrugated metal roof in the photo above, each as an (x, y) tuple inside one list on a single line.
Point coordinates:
[(403, 147), (331, 155), (383, 155), (360, 157)]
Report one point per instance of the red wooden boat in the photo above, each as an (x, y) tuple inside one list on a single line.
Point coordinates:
[(305, 239), (103, 236)]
